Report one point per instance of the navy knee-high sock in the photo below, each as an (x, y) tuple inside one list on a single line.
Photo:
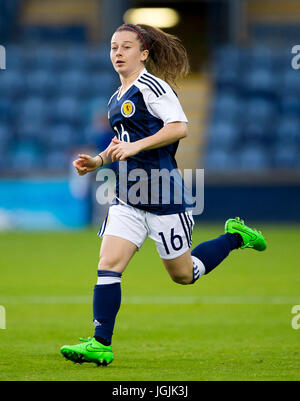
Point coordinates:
[(212, 253), (106, 304)]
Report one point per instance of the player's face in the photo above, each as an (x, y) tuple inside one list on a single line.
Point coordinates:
[(126, 54)]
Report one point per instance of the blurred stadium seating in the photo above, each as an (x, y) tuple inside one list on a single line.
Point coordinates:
[(254, 122), (47, 97), (47, 103)]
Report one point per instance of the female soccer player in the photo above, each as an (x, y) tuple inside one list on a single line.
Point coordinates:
[(148, 123)]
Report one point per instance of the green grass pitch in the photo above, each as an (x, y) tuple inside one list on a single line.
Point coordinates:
[(233, 324)]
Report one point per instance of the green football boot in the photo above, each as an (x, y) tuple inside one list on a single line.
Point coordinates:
[(89, 350), (251, 237)]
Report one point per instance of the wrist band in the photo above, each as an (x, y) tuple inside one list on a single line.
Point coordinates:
[(101, 159)]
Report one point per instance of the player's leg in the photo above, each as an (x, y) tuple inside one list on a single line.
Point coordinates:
[(237, 235), (180, 268), (187, 268), (115, 254), (173, 245), (123, 234)]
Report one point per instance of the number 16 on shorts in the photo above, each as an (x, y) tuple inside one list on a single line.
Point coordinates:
[(176, 241), (179, 238)]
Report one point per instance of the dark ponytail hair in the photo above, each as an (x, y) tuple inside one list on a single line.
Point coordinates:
[(167, 56)]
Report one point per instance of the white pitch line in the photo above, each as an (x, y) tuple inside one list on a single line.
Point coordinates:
[(155, 300)]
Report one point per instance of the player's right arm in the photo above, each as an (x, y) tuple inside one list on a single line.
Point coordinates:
[(86, 163)]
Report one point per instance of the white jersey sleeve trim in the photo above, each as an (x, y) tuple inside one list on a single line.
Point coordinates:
[(160, 100)]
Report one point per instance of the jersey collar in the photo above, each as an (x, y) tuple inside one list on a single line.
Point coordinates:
[(144, 71)]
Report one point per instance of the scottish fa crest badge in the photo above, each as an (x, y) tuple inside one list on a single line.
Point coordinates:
[(128, 108)]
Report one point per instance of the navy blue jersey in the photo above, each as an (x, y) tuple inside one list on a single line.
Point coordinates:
[(149, 180)]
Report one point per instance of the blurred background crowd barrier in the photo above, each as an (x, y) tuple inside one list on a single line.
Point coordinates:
[(242, 99)]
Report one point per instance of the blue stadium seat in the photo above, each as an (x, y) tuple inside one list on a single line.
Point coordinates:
[(6, 110), (253, 158), (260, 82), (253, 133), (30, 129), (290, 105), (99, 60), (12, 84), (29, 59), (222, 134), (259, 109), (25, 156), (41, 83), (77, 58), (288, 130), (220, 160), (56, 161), (52, 58), (228, 78), (227, 56), (286, 156), (290, 82), (74, 83), (227, 105), (14, 58), (103, 84), (261, 57), (44, 58), (67, 110), (33, 108), (60, 137)]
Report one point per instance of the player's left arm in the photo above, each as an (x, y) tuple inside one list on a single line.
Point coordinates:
[(170, 133)]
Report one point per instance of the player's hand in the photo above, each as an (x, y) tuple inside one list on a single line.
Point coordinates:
[(121, 150), (84, 164)]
